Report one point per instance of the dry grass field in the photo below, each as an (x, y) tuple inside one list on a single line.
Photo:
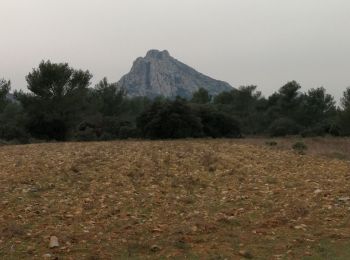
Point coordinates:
[(191, 199)]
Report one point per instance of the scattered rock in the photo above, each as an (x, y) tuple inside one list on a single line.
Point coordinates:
[(318, 191), (54, 242), (301, 226), (157, 230), (344, 199), (47, 256), (245, 254), (155, 248), (74, 169), (30, 250), (33, 189)]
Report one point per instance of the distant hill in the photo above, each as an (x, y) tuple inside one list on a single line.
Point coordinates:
[(159, 74)]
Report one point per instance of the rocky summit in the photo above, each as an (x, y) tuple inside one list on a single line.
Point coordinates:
[(159, 74)]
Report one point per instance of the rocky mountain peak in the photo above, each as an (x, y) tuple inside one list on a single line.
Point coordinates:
[(155, 54), (159, 74)]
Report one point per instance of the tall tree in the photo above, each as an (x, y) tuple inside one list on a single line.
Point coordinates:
[(57, 101), (5, 87), (317, 107), (345, 100), (109, 98), (282, 109), (289, 98), (245, 104), (201, 96), (345, 113)]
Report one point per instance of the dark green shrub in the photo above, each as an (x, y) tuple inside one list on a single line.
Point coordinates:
[(12, 124), (169, 119), (90, 129), (119, 129), (201, 96), (10, 132), (126, 132), (86, 134), (299, 147), (283, 127), (45, 128), (313, 131), (218, 124), (333, 129), (271, 143), (322, 129), (105, 128)]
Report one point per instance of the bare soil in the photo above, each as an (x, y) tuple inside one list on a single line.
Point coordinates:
[(188, 199)]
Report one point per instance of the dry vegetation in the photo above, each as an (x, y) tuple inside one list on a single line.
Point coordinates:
[(203, 199), (329, 147)]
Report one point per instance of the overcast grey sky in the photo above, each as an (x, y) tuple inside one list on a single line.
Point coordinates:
[(262, 42)]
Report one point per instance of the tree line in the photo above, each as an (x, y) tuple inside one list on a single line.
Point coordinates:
[(60, 105)]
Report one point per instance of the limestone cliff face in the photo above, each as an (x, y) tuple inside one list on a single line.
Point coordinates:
[(159, 74)]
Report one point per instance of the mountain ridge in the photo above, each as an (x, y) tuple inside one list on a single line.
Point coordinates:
[(159, 74)]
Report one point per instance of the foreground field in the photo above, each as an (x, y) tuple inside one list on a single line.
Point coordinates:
[(202, 199)]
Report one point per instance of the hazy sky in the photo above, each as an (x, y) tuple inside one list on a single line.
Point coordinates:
[(262, 42)]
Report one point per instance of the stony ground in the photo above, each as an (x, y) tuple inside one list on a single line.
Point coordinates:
[(202, 199)]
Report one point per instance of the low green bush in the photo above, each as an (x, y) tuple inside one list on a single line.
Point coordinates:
[(283, 127), (299, 147), (271, 143)]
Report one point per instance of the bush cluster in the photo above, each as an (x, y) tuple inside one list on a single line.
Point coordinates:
[(178, 119), (60, 105)]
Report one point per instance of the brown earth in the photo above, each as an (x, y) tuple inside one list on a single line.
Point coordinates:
[(193, 199)]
